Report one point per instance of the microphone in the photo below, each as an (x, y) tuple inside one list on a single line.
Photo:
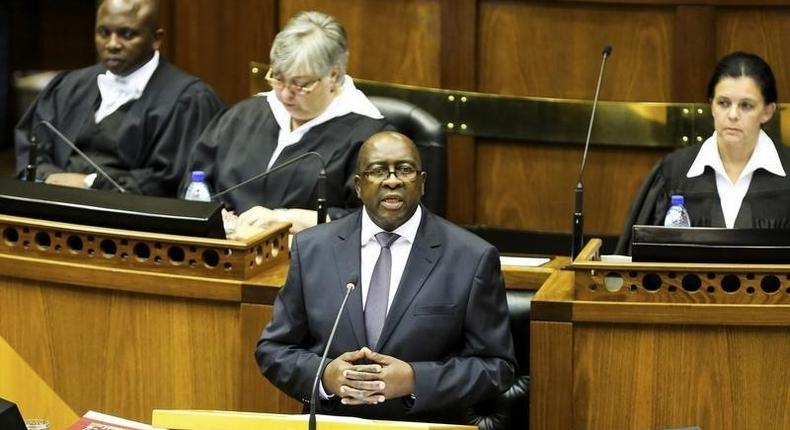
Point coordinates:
[(31, 166), (350, 285), (577, 239), (321, 200), (71, 145)]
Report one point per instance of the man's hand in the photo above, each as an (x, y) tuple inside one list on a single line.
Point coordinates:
[(397, 375), (385, 377), (75, 180)]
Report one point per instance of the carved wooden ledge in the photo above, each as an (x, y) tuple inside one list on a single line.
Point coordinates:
[(679, 282), (184, 255)]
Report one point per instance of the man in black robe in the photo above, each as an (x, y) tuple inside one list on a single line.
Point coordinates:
[(134, 113)]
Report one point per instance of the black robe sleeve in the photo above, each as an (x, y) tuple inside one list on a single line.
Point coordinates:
[(649, 207)]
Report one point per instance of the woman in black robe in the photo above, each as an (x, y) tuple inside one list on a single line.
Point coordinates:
[(313, 107), (737, 178)]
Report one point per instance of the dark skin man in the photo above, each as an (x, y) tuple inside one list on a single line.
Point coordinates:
[(126, 37), (363, 376)]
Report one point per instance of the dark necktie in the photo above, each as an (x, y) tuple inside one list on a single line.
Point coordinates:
[(379, 289)]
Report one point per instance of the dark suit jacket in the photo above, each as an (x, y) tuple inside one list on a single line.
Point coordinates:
[(448, 319)]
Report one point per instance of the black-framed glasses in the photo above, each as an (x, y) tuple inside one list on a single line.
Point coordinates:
[(404, 173), (302, 89)]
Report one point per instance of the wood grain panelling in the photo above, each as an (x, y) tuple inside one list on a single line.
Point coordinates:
[(717, 377), (530, 186), (554, 50), (215, 40), (694, 56), (764, 31), (391, 41)]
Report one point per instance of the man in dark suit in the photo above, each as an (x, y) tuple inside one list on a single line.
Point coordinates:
[(436, 340)]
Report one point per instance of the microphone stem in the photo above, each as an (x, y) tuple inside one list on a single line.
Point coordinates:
[(311, 425)]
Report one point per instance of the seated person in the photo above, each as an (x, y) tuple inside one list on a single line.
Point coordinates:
[(313, 107), (418, 275), (737, 178), (134, 114)]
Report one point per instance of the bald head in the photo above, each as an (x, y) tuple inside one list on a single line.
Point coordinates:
[(385, 139), (127, 34)]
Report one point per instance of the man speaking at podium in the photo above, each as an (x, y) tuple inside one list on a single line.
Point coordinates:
[(134, 114), (425, 333)]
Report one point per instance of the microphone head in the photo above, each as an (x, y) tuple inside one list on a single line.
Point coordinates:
[(352, 282), (607, 50)]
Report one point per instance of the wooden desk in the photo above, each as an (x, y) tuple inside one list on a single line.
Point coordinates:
[(674, 346)]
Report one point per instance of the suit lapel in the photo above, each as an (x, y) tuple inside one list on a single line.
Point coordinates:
[(424, 255), (347, 259)]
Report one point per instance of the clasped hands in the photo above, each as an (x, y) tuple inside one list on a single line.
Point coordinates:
[(365, 377)]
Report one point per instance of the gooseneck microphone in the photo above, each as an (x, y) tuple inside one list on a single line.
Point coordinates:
[(350, 285), (30, 169), (321, 199), (577, 240)]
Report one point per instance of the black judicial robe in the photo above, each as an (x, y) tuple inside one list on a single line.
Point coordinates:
[(153, 138), (766, 204), (238, 145)]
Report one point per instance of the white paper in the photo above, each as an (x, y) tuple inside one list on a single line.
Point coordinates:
[(523, 261)]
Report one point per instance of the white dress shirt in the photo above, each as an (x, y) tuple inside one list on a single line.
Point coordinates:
[(731, 194), (118, 90), (399, 250), (349, 100)]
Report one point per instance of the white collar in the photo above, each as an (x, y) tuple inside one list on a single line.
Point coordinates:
[(140, 77), (349, 100), (407, 230), (764, 156)]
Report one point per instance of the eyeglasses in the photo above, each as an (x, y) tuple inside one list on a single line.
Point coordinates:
[(404, 173), (302, 89)]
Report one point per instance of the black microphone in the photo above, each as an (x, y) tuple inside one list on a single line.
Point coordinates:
[(32, 156), (321, 205), (74, 148), (577, 240), (350, 285)]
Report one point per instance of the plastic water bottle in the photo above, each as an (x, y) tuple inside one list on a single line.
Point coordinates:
[(198, 190), (677, 216)]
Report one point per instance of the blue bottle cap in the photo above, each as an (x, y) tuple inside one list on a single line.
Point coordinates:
[(198, 175), (677, 200)]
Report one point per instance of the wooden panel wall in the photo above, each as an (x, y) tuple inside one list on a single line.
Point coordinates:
[(663, 52)]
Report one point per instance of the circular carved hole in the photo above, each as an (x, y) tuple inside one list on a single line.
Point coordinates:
[(710, 289), (228, 252), (711, 275), (672, 275), (210, 258), (632, 274), (228, 266), (593, 287), (26, 230), (58, 235), (691, 283), (124, 242), (74, 243), (633, 288), (157, 260), (750, 276), (750, 290), (57, 248), (730, 283), (176, 254), (91, 252), (275, 247), (613, 282), (11, 236), (672, 288), (43, 240), (651, 282), (142, 251), (26, 244), (192, 263), (108, 247), (124, 256), (192, 249), (158, 245), (90, 239), (770, 284)]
